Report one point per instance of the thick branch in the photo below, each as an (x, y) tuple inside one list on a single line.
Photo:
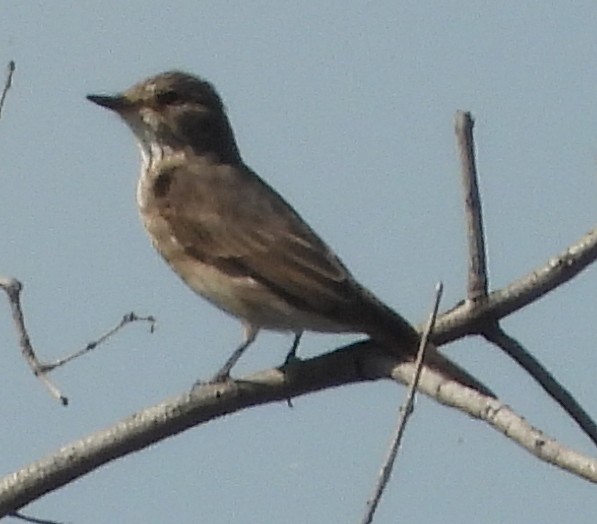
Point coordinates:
[(359, 362)]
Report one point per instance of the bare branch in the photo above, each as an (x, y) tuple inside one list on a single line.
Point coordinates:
[(555, 390), (478, 283), (477, 262), (40, 369), (13, 289), (406, 411), (7, 83), (26, 518), (463, 320), (126, 319), (357, 363)]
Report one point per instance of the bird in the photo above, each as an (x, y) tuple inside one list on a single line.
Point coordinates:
[(233, 239)]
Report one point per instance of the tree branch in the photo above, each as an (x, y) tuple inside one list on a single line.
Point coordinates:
[(534, 368), (464, 320), (406, 411), (40, 369), (478, 283), (477, 261), (10, 70), (13, 289), (356, 363)]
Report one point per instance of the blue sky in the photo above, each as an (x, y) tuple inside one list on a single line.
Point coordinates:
[(347, 109)]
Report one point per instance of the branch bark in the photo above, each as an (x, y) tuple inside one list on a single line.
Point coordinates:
[(477, 262), (356, 363)]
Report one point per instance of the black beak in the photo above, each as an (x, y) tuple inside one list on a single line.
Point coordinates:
[(115, 103)]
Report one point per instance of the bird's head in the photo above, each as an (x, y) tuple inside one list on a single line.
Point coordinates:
[(175, 110)]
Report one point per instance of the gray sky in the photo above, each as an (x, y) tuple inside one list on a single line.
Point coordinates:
[(347, 109)]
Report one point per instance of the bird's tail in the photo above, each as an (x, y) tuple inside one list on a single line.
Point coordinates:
[(394, 332)]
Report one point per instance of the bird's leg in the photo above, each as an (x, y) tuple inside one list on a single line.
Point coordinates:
[(224, 374), (291, 357), (292, 353)]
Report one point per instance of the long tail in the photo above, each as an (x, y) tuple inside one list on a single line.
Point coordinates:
[(394, 332)]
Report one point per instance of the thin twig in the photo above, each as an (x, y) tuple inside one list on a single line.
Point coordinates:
[(40, 369), (477, 261), (7, 83), (126, 319), (546, 380), (35, 520), (405, 412)]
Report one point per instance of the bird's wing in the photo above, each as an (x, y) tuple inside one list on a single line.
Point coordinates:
[(227, 216)]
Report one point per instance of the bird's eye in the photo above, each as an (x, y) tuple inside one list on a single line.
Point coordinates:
[(167, 97)]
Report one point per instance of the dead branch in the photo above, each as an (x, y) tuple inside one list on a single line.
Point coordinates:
[(463, 320), (478, 284), (405, 412), (477, 261), (546, 380), (7, 83), (40, 369), (356, 363)]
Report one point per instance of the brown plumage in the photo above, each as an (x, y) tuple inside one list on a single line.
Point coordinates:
[(232, 238)]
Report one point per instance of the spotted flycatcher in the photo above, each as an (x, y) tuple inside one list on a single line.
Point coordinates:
[(232, 238)]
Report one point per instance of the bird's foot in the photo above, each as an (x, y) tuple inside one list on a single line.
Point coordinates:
[(221, 377), (290, 359)]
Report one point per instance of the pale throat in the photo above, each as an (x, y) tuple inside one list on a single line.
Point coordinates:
[(143, 124), (153, 151)]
